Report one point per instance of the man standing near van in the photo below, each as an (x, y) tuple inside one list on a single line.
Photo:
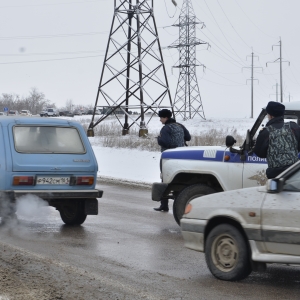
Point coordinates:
[(278, 142), (172, 135)]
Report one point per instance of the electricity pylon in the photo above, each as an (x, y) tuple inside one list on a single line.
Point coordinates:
[(187, 102), (133, 76)]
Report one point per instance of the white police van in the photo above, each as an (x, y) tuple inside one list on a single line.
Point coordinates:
[(190, 172)]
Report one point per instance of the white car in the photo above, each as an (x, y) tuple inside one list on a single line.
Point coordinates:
[(49, 112), (243, 230), (25, 112)]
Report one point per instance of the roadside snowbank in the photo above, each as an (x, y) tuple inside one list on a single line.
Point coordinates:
[(128, 165)]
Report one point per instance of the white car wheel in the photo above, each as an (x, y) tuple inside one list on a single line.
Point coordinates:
[(227, 253)]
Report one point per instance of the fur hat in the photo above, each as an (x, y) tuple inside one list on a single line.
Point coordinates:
[(275, 109), (165, 113)]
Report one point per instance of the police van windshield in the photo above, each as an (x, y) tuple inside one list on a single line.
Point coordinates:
[(47, 139), (287, 118)]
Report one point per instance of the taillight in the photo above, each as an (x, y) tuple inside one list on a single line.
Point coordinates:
[(82, 180), (23, 180)]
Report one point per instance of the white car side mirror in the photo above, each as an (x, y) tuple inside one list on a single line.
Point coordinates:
[(275, 185), (272, 185)]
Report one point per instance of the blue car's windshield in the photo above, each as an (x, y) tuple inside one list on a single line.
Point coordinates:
[(47, 139)]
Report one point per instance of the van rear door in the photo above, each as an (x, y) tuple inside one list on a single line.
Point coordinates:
[(50, 149)]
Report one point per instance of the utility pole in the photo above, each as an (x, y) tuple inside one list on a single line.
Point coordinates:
[(276, 91), (252, 79), (133, 74), (280, 61), (187, 103)]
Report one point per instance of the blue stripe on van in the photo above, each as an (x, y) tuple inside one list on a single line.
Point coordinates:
[(198, 155)]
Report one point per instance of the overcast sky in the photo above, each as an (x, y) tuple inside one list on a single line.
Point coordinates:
[(58, 47)]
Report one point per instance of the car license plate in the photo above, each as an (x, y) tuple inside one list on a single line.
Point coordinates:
[(53, 180)]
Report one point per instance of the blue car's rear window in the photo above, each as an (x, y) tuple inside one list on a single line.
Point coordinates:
[(47, 139)]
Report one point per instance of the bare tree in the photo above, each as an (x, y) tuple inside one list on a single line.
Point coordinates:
[(35, 102)]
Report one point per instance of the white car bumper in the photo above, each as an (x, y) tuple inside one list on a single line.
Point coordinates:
[(193, 233)]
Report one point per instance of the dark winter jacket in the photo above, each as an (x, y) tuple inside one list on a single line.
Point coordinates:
[(262, 143), (173, 135)]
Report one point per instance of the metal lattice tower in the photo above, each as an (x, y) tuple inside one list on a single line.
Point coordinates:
[(133, 74), (187, 103)]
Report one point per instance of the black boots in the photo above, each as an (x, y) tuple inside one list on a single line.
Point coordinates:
[(161, 208), (164, 205)]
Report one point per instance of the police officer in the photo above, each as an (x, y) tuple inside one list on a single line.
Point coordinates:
[(279, 142), (172, 135)]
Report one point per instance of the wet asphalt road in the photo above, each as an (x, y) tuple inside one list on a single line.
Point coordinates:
[(128, 251)]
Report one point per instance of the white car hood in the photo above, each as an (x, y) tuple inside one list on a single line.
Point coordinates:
[(237, 204)]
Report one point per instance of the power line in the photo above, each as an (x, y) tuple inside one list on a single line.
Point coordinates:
[(50, 36), (222, 83), (52, 53), (252, 21), (223, 76), (292, 70), (52, 4), (232, 25), (171, 17), (46, 60), (221, 44), (221, 56), (217, 47), (221, 48), (261, 53), (222, 32), (169, 32)]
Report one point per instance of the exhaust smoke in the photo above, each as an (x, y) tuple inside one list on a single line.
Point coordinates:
[(29, 206)]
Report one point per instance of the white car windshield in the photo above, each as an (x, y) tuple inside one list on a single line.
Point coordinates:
[(293, 183), (47, 139)]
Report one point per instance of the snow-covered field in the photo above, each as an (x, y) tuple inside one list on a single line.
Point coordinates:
[(195, 126), (143, 166)]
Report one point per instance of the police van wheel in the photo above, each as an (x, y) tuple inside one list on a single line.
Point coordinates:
[(72, 213), (187, 195)]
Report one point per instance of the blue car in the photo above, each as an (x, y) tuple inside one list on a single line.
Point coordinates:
[(51, 159)]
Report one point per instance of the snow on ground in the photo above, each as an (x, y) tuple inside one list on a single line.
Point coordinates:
[(128, 164)]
